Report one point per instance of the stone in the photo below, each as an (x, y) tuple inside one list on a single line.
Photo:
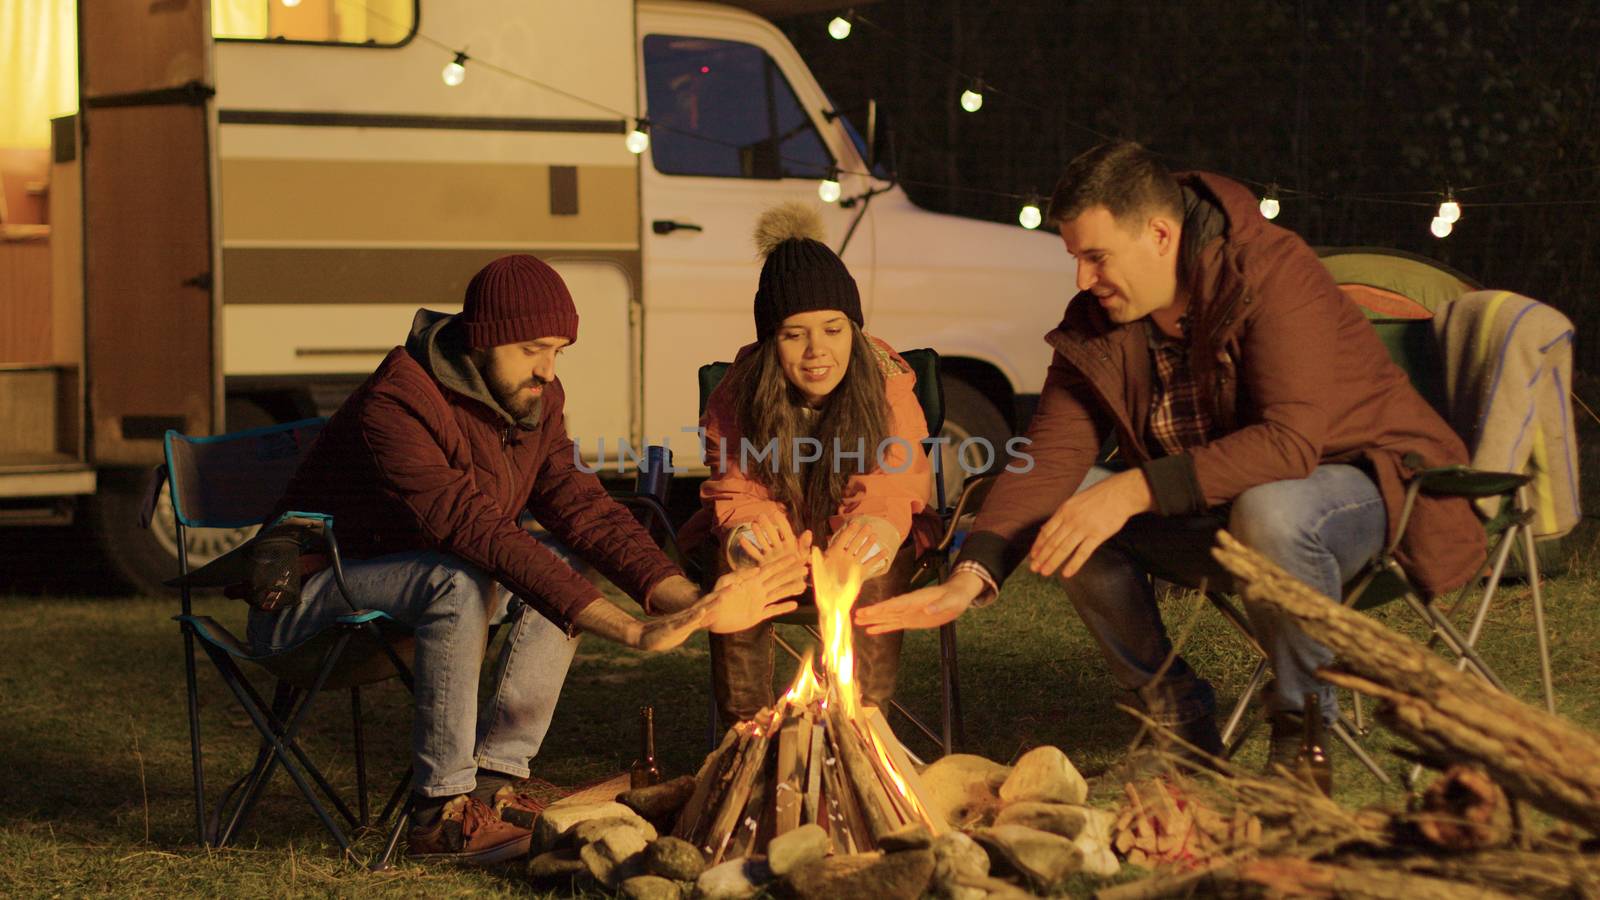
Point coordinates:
[(1098, 860), (864, 876), (674, 858), (651, 887), (556, 864), (552, 827), (736, 879), (1056, 818), (1099, 824), (615, 857), (1044, 859), (964, 788), (1044, 774), (795, 848), (592, 830), (660, 802), (958, 862), (912, 837)]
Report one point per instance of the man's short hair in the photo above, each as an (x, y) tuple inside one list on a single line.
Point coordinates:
[(1124, 177)]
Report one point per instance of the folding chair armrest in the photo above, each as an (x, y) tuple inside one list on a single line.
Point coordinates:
[(1461, 481)]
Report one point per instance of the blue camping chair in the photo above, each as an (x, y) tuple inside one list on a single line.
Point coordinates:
[(235, 481)]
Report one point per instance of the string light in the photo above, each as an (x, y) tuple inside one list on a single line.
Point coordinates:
[(829, 190), (1449, 210), (839, 27), (1270, 207), (972, 97), (1030, 217), (638, 140), (455, 71)]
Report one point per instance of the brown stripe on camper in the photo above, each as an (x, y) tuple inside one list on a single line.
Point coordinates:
[(420, 276), (316, 200)]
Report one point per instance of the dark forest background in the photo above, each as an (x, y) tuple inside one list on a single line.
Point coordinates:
[(1334, 97)]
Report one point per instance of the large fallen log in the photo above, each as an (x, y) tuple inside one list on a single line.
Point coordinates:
[(1542, 758), (1289, 877)]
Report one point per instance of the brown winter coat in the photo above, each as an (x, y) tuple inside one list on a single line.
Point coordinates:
[(421, 457), (1310, 383)]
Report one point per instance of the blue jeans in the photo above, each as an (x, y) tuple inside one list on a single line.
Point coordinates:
[(1320, 529), (450, 606)]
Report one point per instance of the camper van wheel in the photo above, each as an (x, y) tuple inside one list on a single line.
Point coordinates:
[(144, 559), (969, 414)]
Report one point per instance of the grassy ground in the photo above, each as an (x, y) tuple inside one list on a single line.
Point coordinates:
[(94, 755)]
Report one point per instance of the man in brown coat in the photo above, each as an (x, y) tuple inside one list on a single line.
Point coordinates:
[(426, 470), (1243, 391)]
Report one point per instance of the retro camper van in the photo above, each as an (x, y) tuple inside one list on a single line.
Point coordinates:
[(256, 195)]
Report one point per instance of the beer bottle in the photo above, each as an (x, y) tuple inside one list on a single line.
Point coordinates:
[(1312, 763), (644, 772)]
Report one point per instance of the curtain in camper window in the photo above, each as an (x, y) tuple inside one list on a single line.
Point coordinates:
[(723, 109), (376, 23)]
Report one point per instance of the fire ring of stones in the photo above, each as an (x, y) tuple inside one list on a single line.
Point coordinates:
[(817, 798)]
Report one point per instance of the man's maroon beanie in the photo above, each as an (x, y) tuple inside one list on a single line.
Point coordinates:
[(518, 298)]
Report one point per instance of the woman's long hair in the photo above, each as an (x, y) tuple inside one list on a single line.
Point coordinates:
[(855, 414)]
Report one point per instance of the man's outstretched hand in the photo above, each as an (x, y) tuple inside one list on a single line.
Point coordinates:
[(928, 607), (747, 597), (1085, 520)]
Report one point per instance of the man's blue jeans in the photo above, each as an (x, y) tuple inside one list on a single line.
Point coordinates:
[(450, 606), (1320, 529)]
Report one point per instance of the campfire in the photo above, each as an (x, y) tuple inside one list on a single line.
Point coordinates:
[(817, 757)]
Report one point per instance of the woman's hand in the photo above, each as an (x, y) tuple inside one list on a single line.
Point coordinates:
[(769, 537), (856, 543), (746, 598)]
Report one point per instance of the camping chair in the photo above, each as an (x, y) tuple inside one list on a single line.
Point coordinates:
[(234, 481), (1412, 333), (933, 565)]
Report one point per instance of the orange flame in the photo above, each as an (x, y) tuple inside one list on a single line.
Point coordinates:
[(835, 597), (805, 688)]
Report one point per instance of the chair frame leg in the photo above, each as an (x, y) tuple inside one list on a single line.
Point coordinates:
[(1531, 555), (201, 833), (955, 735), (255, 709), (283, 702), (361, 755), (289, 732)]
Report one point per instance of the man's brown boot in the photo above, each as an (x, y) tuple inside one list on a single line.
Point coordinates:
[(468, 832)]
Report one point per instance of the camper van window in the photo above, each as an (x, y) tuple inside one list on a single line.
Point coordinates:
[(363, 23), (723, 109)]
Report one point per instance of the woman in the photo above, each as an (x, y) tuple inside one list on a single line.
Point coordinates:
[(815, 431)]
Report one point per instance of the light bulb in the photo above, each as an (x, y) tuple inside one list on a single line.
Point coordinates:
[(291, 3), (971, 100), (828, 190), (839, 28), (1450, 210), (1441, 227), (1030, 217), (638, 140), (455, 71), (1270, 207)]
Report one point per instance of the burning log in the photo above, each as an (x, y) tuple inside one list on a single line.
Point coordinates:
[(876, 808), (748, 767)]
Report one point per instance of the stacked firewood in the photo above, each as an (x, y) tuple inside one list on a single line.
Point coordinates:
[(804, 763), (1162, 826)]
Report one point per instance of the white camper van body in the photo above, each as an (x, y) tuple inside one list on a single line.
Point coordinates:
[(376, 218), (223, 261)]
